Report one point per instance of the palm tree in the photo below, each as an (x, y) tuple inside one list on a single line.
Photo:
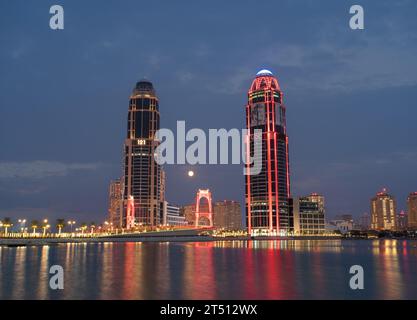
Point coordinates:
[(83, 227), (92, 226), (34, 225), (60, 224), (7, 223)]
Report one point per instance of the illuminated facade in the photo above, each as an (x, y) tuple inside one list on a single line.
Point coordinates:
[(267, 193), (202, 212), (383, 207), (144, 179), (173, 216), (412, 210), (115, 203), (402, 221), (309, 215), (227, 215)]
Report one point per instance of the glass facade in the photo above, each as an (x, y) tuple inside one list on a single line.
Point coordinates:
[(143, 177), (267, 193)]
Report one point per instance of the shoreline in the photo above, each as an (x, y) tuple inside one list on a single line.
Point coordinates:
[(180, 238)]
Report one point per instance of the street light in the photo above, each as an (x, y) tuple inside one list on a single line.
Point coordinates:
[(71, 223), (22, 224)]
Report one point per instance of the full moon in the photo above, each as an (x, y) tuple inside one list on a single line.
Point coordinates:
[(190, 173)]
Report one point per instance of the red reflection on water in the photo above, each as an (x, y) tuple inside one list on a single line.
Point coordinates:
[(272, 259), (199, 276), (129, 276)]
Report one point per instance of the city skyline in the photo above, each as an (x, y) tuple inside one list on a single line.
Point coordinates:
[(39, 177)]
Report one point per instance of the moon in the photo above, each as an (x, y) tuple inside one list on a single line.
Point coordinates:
[(191, 173)]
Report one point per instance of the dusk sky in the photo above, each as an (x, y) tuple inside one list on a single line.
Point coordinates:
[(351, 96)]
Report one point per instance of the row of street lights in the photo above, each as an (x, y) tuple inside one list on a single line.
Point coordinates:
[(45, 226)]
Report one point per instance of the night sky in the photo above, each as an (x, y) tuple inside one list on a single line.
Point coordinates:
[(350, 96)]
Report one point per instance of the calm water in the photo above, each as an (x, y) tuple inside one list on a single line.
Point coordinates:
[(273, 269)]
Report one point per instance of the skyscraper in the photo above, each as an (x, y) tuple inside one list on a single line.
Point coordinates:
[(412, 210), (383, 207), (143, 193), (267, 193)]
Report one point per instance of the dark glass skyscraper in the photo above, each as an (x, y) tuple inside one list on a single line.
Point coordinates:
[(144, 179), (267, 193)]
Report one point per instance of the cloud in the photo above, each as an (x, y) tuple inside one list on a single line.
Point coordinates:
[(41, 169), (361, 66), (336, 59), (185, 77)]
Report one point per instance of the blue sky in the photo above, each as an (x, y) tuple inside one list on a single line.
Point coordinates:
[(350, 95)]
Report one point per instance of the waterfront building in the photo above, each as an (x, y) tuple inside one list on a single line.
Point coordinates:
[(383, 208), (115, 203), (143, 178), (172, 216), (402, 221), (227, 215), (309, 215), (267, 193), (412, 210)]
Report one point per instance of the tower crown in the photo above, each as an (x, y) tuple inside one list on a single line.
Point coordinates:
[(144, 87), (265, 80), (264, 72)]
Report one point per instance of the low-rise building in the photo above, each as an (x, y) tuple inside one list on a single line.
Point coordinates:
[(172, 216)]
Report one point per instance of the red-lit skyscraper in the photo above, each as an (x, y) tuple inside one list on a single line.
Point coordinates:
[(267, 193), (144, 178)]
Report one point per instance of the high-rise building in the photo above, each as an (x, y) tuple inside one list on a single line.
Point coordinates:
[(308, 214), (267, 193), (143, 193), (172, 216), (383, 207), (115, 203), (412, 210), (402, 221), (227, 215)]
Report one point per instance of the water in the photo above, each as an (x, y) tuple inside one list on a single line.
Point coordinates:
[(271, 269)]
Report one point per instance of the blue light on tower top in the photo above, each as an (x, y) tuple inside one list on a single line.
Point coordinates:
[(264, 72)]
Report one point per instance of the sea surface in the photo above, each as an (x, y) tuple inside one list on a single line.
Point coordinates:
[(267, 269)]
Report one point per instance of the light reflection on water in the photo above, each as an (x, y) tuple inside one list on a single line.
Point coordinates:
[(266, 269)]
